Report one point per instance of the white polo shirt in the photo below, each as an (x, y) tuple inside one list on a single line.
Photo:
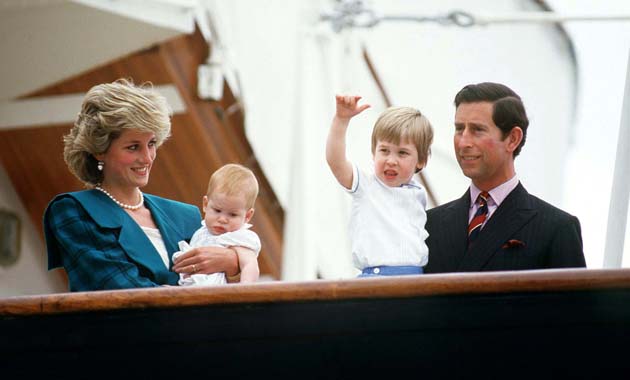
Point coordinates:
[(387, 223)]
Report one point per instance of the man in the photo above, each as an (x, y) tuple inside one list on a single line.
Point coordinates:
[(497, 224)]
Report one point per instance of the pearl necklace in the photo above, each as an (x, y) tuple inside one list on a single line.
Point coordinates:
[(123, 205)]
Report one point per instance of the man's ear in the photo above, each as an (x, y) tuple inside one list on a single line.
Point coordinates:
[(249, 214), (514, 138)]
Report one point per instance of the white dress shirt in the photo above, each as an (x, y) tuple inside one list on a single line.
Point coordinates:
[(497, 196)]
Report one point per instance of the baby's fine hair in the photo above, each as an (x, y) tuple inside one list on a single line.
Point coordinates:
[(234, 179), (398, 124)]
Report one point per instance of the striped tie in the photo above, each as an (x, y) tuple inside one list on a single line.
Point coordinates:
[(480, 216)]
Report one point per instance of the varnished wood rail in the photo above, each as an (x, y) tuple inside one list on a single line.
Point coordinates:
[(364, 288), (552, 324)]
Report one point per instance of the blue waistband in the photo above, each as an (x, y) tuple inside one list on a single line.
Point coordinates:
[(385, 270)]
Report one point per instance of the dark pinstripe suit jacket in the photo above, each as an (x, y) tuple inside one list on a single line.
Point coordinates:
[(102, 247), (542, 236)]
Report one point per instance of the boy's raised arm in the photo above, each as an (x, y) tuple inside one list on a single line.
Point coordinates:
[(346, 108)]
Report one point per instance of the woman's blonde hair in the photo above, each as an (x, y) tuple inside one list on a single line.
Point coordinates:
[(107, 110), (398, 124), (234, 180)]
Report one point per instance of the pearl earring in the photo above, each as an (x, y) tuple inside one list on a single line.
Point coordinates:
[(100, 165)]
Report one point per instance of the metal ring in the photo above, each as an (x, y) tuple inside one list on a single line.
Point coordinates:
[(194, 268), (461, 18)]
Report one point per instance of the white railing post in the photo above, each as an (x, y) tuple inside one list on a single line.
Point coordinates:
[(618, 211)]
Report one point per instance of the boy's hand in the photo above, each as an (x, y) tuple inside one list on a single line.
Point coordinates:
[(348, 107)]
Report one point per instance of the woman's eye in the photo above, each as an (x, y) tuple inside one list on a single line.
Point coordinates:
[(132, 147)]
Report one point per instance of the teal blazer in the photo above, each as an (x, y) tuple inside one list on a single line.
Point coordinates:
[(101, 247)]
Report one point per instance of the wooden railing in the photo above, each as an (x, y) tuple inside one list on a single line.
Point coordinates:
[(538, 324)]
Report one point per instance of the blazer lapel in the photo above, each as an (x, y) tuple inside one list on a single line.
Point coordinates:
[(139, 248), (131, 237), (99, 206), (168, 229), (511, 216)]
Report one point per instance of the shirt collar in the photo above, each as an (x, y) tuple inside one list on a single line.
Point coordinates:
[(413, 182), (245, 226), (497, 195)]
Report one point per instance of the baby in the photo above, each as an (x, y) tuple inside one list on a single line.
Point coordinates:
[(228, 207)]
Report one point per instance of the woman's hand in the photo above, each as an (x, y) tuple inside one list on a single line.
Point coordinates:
[(207, 260)]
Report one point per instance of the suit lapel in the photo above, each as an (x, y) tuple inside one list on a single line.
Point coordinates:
[(138, 246), (511, 216), (454, 228), (170, 233), (99, 206), (131, 237)]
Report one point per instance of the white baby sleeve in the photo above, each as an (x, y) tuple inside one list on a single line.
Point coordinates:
[(241, 238)]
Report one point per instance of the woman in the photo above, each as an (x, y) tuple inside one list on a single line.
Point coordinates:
[(113, 236)]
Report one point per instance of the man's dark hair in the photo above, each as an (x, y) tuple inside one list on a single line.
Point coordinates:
[(508, 110)]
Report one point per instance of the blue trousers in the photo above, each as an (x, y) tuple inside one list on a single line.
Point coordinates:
[(384, 270)]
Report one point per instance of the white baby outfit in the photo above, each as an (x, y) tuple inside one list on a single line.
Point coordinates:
[(242, 237)]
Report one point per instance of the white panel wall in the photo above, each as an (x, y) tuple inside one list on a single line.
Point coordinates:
[(29, 275), (291, 66)]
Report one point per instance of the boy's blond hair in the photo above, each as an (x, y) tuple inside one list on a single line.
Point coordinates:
[(234, 180), (398, 124)]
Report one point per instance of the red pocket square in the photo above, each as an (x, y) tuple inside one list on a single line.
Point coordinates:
[(513, 243)]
